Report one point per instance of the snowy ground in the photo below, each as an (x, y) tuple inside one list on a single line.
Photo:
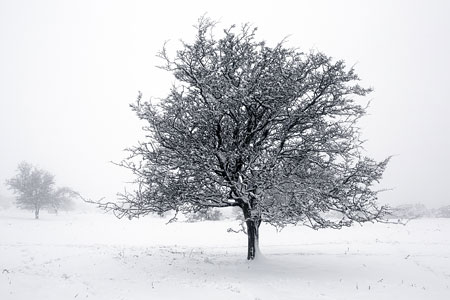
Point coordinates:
[(95, 256)]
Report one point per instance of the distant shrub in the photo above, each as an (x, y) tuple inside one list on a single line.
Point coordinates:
[(208, 214), (237, 214), (410, 211), (443, 212)]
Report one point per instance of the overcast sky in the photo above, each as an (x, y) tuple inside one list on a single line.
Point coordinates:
[(70, 69)]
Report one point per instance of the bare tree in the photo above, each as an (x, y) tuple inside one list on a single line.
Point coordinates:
[(268, 129), (35, 189)]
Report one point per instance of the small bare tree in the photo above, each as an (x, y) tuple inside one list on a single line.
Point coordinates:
[(268, 129)]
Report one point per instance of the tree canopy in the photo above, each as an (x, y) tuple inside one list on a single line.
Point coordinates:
[(272, 130)]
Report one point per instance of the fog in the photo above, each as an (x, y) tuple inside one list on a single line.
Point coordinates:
[(70, 69)]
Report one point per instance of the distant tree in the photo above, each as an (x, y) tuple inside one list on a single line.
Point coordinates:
[(35, 189), (61, 198), (270, 130)]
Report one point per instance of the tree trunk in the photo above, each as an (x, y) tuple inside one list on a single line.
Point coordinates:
[(253, 223), (36, 212), (253, 239)]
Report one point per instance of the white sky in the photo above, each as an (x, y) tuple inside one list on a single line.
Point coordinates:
[(69, 70)]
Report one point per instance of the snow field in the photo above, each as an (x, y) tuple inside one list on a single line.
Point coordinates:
[(96, 256)]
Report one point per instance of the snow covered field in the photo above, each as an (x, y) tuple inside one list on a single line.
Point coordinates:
[(96, 256)]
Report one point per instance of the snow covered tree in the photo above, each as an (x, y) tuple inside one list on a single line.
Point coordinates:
[(35, 189), (270, 130)]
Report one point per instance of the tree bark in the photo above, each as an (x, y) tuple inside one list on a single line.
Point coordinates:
[(253, 239), (36, 212), (253, 223)]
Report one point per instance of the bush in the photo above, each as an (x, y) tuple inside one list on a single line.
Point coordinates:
[(410, 211), (208, 214), (443, 212)]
